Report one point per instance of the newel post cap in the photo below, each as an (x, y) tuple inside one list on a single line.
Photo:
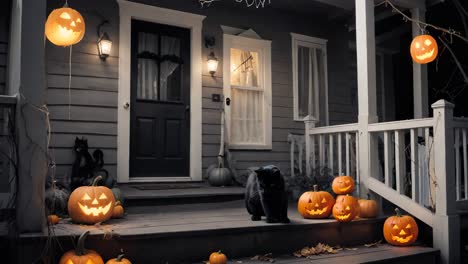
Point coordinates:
[(442, 104)]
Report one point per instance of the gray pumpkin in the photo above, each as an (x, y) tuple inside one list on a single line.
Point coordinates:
[(56, 199), (219, 177)]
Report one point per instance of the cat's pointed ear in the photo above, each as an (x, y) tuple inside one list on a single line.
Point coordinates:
[(259, 170)]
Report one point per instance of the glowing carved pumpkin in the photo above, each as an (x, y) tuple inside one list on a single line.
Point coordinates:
[(81, 255), (424, 49), (218, 258), (315, 204), (346, 208), (65, 27), (400, 230), (119, 259), (91, 204), (343, 185), (368, 208)]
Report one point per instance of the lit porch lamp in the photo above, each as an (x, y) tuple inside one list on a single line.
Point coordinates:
[(212, 63), (104, 43)]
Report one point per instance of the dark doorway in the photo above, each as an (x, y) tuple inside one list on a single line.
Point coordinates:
[(160, 101)]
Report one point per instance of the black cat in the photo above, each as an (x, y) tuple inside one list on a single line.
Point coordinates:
[(85, 168), (265, 195)]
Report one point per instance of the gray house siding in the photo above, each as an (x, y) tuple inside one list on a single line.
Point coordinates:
[(5, 10), (94, 83)]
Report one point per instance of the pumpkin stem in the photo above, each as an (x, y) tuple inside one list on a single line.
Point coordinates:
[(96, 180), (80, 250), (315, 188), (397, 211), (120, 257)]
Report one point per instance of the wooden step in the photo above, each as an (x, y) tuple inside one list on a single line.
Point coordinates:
[(187, 233), (140, 196)]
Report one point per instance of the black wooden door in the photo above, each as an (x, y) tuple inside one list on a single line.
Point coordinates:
[(160, 101)]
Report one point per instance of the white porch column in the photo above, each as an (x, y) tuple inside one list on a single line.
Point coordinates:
[(366, 73), (27, 57), (420, 92)]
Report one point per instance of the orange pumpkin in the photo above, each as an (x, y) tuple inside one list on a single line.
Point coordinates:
[(400, 230), (218, 258), (53, 219), (346, 208), (81, 255), (424, 49), (91, 204), (64, 27), (119, 259), (118, 211), (315, 204), (368, 208), (343, 185)]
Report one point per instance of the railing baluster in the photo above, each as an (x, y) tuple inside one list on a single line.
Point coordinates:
[(358, 175), (465, 164), (457, 163), (414, 165), (321, 150), (340, 161), (312, 151), (347, 153), (330, 152), (388, 159), (400, 161)]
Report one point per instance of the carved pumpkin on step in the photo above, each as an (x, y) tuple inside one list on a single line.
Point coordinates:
[(315, 204), (343, 185), (91, 204), (65, 27), (346, 208), (81, 255), (424, 49), (400, 230)]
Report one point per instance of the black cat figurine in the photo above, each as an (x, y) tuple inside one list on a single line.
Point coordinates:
[(265, 195)]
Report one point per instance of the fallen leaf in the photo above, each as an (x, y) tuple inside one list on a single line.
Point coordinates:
[(375, 244), (320, 248), (267, 257)]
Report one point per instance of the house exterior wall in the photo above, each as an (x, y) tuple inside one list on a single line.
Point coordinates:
[(94, 91), (5, 10)]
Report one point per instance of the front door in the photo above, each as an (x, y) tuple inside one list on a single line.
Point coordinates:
[(160, 101)]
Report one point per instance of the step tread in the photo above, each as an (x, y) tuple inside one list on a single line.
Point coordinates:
[(131, 192), (179, 219), (360, 255)]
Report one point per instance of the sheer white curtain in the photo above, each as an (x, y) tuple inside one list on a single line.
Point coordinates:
[(247, 96), (169, 46), (147, 84)]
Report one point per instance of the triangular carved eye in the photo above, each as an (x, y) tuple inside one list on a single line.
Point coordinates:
[(396, 227), (418, 45), (86, 197), (102, 197), (408, 226), (347, 182), (347, 208), (428, 42), (324, 200), (70, 262), (65, 15)]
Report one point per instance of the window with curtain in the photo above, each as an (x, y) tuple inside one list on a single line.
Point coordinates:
[(248, 86), (310, 79)]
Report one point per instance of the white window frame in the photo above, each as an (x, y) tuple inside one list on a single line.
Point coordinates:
[(263, 47), (316, 43), (132, 10)]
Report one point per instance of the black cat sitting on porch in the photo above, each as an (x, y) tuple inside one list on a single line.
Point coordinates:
[(86, 167), (265, 195)]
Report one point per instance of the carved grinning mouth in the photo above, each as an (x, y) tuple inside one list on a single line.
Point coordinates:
[(95, 211), (425, 55), (401, 239), (343, 216), (345, 189), (317, 211)]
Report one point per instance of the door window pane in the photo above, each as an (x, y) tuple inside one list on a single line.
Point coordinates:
[(244, 68), (170, 78), (303, 80), (148, 68), (247, 124)]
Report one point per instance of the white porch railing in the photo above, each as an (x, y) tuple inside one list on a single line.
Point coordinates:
[(419, 165)]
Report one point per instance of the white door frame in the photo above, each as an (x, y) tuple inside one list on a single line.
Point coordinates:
[(131, 10)]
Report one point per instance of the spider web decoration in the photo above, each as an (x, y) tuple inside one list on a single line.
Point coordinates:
[(249, 3)]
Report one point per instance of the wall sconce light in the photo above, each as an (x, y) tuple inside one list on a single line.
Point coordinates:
[(212, 61), (104, 42)]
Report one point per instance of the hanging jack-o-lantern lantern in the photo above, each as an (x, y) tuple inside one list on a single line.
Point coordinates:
[(424, 49), (64, 27), (343, 185), (400, 230), (315, 204), (91, 204), (346, 208), (81, 255)]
